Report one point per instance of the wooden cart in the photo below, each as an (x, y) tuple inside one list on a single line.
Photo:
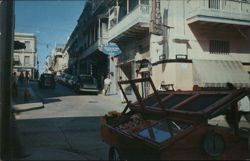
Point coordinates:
[(174, 125)]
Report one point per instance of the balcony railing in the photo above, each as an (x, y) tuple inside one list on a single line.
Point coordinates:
[(94, 46), (141, 14), (225, 9)]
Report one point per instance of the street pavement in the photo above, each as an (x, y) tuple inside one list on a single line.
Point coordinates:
[(67, 127)]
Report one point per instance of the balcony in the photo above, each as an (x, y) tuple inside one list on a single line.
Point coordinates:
[(95, 46), (232, 12), (134, 25)]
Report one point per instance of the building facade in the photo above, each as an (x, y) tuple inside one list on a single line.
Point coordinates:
[(49, 64), (85, 41), (185, 43), (57, 61), (26, 59), (206, 43)]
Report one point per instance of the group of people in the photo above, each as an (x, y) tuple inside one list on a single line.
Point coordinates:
[(21, 79)]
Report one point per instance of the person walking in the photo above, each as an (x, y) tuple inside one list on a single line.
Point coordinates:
[(121, 94), (21, 78), (27, 77), (107, 83)]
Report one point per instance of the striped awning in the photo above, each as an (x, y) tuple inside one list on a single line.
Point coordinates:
[(216, 73)]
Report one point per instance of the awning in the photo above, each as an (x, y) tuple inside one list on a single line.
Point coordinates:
[(19, 45), (216, 73)]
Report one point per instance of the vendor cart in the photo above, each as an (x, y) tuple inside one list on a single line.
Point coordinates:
[(174, 125)]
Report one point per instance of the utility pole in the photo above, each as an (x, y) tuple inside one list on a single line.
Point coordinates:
[(6, 57)]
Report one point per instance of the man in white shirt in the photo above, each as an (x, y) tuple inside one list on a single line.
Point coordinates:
[(107, 83)]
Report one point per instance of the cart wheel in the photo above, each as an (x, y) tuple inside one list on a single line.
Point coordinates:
[(114, 154)]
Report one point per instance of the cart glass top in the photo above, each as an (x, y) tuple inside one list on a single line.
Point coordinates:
[(192, 102), (187, 102), (163, 130)]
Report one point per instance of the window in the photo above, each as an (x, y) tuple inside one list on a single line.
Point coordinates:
[(145, 2), (27, 44), (16, 58), (219, 47), (26, 60), (214, 4)]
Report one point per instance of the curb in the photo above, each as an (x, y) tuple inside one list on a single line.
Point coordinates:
[(32, 101)]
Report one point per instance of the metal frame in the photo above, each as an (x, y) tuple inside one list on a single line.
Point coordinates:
[(126, 140)]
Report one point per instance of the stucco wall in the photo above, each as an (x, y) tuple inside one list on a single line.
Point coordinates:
[(179, 74), (198, 36)]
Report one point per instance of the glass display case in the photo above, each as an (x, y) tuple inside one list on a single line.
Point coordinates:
[(173, 125), (163, 130)]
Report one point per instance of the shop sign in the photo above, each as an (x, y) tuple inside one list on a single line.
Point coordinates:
[(110, 49)]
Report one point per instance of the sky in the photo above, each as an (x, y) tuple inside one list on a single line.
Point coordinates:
[(52, 22)]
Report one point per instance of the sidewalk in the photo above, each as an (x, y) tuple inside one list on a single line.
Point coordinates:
[(27, 99), (116, 98)]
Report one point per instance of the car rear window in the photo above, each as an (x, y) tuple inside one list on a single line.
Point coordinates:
[(87, 79)]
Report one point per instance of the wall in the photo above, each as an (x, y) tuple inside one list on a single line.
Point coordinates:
[(29, 51), (193, 41), (198, 36)]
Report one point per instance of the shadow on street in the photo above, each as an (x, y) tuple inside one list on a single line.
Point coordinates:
[(79, 136)]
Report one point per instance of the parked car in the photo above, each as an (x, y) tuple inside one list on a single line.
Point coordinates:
[(87, 84), (59, 78), (72, 81), (47, 80), (65, 79)]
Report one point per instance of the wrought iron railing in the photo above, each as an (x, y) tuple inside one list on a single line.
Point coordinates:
[(231, 6)]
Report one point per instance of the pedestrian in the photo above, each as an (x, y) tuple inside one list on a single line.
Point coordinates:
[(14, 85), (21, 78), (107, 83), (27, 77), (121, 94)]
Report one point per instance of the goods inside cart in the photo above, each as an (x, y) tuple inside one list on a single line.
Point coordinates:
[(175, 125)]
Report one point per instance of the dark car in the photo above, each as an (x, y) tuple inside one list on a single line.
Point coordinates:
[(47, 80), (72, 81), (65, 79), (86, 84)]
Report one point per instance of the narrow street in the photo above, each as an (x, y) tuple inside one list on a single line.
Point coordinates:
[(68, 123)]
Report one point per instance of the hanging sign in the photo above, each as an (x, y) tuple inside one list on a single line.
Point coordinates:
[(110, 49)]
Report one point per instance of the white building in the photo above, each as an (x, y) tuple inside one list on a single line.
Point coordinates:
[(26, 59), (57, 60), (49, 64), (183, 42), (186, 43)]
